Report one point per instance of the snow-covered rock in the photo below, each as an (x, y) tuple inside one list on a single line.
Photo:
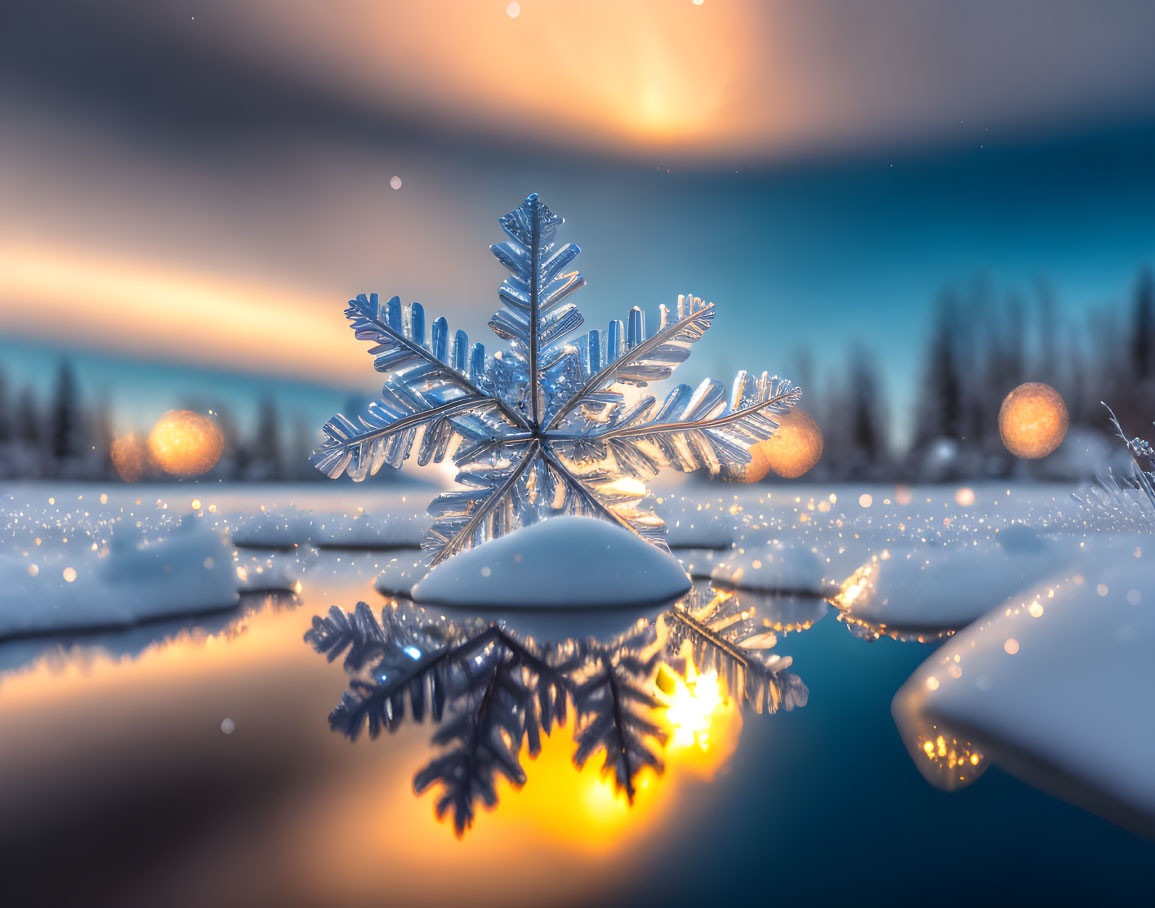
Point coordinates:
[(558, 563), (929, 589), (1055, 686), (189, 571), (772, 567)]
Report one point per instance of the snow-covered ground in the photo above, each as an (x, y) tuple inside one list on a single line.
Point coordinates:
[(1064, 705), (79, 555)]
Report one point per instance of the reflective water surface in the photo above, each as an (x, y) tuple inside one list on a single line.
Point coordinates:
[(119, 784)]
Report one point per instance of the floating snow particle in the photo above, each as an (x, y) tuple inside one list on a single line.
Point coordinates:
[(1011, 646), (69, 574), (228, 726), (965, 497), (33, 570), (865, 500), (513, 10), (395, 183)]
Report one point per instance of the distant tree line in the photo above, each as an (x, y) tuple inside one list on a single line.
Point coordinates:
[(68, 434), (980, 347)]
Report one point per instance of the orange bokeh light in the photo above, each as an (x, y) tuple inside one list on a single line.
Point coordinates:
[(1033, 420), (185, 443), (129, 455), (791, 451)]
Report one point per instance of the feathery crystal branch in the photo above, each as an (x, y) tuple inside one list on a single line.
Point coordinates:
[(553, 423)]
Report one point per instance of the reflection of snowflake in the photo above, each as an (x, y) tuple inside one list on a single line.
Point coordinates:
[(490, 691), (552, 424)]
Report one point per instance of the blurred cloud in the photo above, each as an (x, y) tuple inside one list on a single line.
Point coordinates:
[(207, 183), (721, 81)]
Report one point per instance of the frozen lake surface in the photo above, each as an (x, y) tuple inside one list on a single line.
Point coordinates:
[(190, 760)]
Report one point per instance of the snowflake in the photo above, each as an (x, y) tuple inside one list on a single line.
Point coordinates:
[(554, 423)]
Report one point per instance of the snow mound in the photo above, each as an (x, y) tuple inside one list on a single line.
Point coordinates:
[(401, 574), (275, 573), (1054, 686), (939, 588), (775, 567), (189, 571), (563, 562)]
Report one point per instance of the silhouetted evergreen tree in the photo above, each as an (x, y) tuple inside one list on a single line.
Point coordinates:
[(5, 415), (67, 430), (269, 458)]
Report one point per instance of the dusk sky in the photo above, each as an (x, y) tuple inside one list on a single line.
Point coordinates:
[(190, 191)]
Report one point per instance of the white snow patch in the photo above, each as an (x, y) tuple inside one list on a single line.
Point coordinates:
[(691, 525), (401, 574), (1055, 686), (934, 588), (563, 562), (773, 567), (71, 588), (274, 529), (279, 572), (371, 531)]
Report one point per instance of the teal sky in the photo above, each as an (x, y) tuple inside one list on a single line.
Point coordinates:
[(142, 155)]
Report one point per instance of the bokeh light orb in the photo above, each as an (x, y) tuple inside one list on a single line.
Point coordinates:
[(790, 452), (129, 455), (1033, 420), (185, 443)]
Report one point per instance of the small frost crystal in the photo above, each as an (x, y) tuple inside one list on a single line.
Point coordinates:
[(554, 423)]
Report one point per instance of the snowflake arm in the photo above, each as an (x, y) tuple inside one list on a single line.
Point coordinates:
[(536, 317), (641, 359), (426, 385), (467, 517), (691, 428), (724, 636), (552, 424)]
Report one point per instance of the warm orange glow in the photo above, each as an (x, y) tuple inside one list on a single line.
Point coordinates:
[(1033, 420), (129, 457), (209, 319), (354, 816), (790, 452), (185, 443), (691, 706), (581, 808), (856, 585)]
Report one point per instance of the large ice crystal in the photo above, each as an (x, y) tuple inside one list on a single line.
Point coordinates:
[(553, 423)]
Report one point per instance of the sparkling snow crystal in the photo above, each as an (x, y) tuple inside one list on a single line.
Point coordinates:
[(554, 423)]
